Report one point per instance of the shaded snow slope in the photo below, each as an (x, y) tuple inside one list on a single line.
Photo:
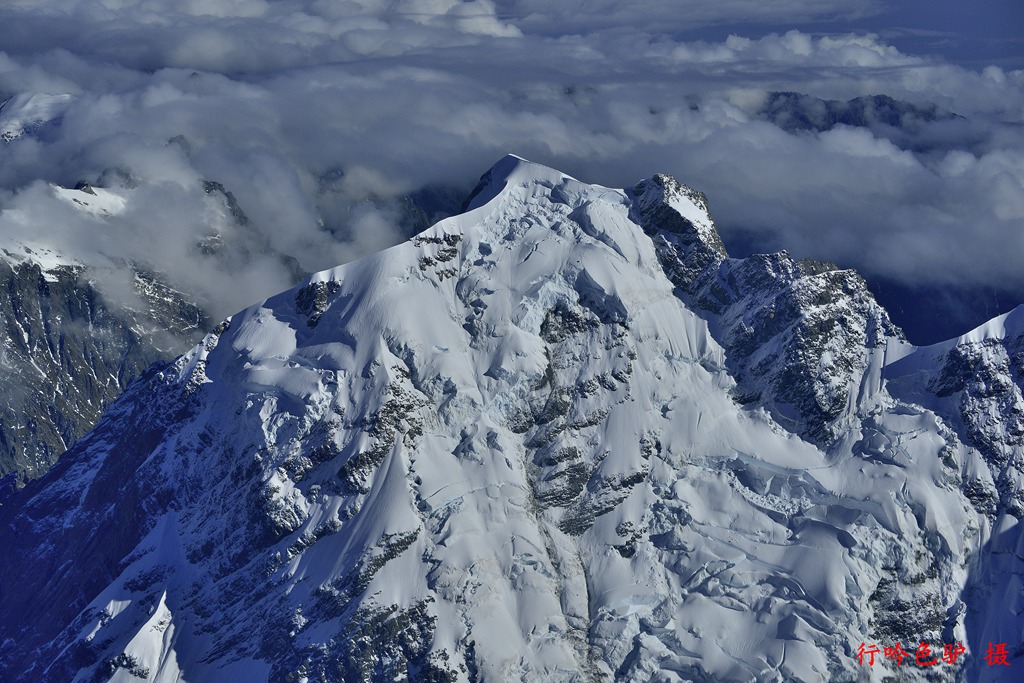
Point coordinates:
[(505, 450), (976, 383)]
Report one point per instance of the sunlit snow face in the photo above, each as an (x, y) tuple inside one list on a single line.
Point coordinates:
[(321, 118)]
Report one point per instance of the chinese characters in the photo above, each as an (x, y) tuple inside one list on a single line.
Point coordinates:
[(995, 655)]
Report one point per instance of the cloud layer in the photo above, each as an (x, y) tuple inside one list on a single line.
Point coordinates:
[(321, 118)]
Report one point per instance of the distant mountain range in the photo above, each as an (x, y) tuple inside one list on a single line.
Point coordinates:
[(793, 111)]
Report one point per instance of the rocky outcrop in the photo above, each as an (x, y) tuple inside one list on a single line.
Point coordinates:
[(66, 353), (798, 334)]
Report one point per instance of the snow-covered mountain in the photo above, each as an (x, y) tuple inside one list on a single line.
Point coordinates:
[(559, 437), (78, 322)]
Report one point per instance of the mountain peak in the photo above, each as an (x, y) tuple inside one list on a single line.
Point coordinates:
[(511, 170), (664, 203)]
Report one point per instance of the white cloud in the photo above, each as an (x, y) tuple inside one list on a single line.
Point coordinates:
[(320, 117)]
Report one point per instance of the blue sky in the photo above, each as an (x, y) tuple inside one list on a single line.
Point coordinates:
[(973, 34)]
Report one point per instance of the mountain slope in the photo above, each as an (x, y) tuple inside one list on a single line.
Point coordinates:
[(67, 351), (800, 335), (509, 450)]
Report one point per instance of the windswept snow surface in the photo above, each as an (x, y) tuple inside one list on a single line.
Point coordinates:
[(505, 450)]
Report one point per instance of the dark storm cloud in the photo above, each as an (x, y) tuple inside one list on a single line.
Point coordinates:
[(321, 117)]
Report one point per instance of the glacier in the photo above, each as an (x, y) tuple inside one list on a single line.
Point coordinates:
[(562, 436)]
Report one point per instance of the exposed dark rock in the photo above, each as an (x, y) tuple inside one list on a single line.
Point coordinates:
[(67, 353), (795, 112), (796, 332)]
